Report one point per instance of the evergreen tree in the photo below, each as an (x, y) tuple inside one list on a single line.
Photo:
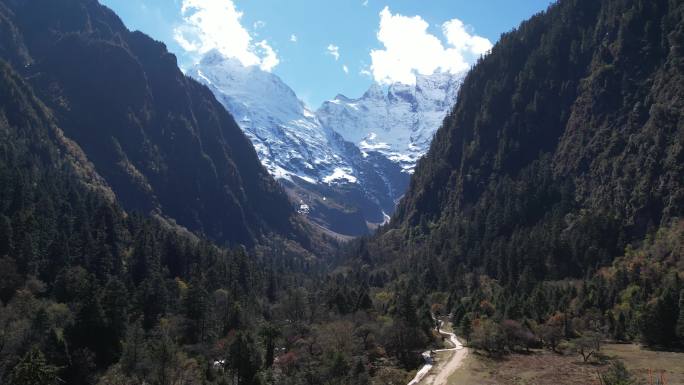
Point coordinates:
[(115, 304), (245, 360), (269, 333), (146, 261), (6, 236), (153, 298), (659, 319), (680, 319), (620, 327), (32, 369), (133, 348), (90, 329), (406, 309), (163, 353), (196, 304), (10, 279), (466, 327)]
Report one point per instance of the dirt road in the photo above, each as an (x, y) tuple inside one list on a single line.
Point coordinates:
[(437, 372)]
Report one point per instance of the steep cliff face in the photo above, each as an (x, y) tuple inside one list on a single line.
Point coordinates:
[(566, 142), (160, 139)]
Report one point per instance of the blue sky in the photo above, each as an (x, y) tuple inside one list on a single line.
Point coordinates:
[(325, 47)]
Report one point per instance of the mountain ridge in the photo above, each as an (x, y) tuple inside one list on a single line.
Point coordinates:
[(564, 147), (159, 138), (398, 120), (345, 185)]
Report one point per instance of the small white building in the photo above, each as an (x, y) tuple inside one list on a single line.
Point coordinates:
[(304, 209)]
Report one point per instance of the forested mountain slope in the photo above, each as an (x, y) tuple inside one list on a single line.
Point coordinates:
[(79, 276), (160, 139), (89, 290), (91, 294), (566, 143), (564, 149)]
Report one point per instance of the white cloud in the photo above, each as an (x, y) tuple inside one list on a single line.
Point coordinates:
[(455, 32), (409, 48), (345, 69), (269, 58), (366, 72), (334, 51), (293, 38), (215, 24), (259, 24), (365, 3)]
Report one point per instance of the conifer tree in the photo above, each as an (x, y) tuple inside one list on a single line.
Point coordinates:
[(6, 236), (680, 319), (33, 369), (269, 333), (196, 304), (245, 360)]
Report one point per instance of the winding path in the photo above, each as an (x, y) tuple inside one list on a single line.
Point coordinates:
[(458, 353)]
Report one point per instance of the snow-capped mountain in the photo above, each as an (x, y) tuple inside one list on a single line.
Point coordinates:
[(287, 136), (398, 123), (348, 163)]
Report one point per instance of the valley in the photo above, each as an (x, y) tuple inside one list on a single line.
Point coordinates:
[(503, 203)]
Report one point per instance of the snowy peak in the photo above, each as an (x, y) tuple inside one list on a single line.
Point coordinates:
[(349, 162), (398, 121), (260, 92), (288, 137), (374, 92)]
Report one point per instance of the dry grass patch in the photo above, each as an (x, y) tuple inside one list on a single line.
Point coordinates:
[(537, 368), (644, 362), (545, 368)]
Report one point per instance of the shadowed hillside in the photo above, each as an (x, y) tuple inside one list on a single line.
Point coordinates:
[(160, 139)]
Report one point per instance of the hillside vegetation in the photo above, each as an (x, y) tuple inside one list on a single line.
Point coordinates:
[(552, 193), (158, 138), (142, 242)]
